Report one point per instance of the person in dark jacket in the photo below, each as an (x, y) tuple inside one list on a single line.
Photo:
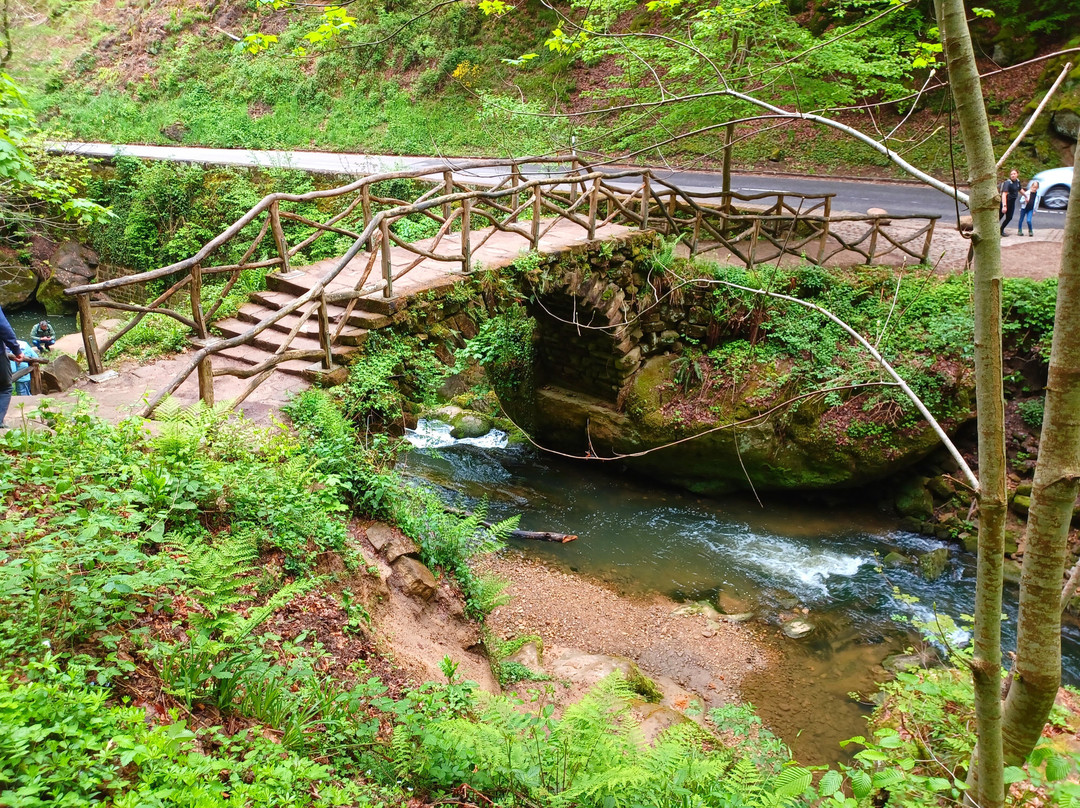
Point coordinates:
[(1010, 192), (11, 344), (43, 336)]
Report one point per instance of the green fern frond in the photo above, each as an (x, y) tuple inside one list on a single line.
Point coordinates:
[(218, 570), (280, 599)]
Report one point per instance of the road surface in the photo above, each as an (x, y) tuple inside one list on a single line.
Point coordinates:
[(852, 196)]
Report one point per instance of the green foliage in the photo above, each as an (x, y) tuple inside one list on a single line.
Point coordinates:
[(33, 187), (505, 347), (63, 743), (391, 371), (593, 756), (1032, 411)]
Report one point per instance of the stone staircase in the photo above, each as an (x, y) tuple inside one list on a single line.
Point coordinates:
[(368, 314)]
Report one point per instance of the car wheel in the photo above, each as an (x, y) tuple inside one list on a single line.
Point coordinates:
[(1057, 198)]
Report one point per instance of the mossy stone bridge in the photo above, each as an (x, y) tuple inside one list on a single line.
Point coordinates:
[(485, 213)]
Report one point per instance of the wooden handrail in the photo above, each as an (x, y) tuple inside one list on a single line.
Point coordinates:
[(574, 191)]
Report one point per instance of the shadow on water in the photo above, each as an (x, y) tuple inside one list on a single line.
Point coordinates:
[(774, 561)]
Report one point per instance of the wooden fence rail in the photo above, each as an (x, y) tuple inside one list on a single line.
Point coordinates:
[(467, 207)]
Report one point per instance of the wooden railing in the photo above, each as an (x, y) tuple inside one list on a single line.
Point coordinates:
[(529, 198)]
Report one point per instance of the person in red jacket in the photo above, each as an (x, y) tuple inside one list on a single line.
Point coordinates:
[(11, 344)]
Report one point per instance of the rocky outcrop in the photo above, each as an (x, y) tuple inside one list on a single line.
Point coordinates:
[(72, 264), (17, 285), (798, 450)]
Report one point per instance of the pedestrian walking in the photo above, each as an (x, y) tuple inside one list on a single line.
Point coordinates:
[(11, 345), (1028, 200), (1010, 193)]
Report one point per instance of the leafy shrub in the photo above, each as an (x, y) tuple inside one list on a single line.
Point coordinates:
[(1031, 411)]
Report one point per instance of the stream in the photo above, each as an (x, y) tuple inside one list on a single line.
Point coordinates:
[(641, 538)]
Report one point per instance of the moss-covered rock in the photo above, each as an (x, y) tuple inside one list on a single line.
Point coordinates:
[(932, 565), (17, 285), (797, 450), (914, 500)]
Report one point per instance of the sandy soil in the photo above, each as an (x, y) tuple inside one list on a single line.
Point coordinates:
[(571, 611)]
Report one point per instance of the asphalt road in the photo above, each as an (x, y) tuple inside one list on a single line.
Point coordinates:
[(852, 196)]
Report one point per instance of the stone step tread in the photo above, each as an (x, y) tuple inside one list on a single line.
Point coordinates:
[(251, 355), (269, 340), (253, 312)]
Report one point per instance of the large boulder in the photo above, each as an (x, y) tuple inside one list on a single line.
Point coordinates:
[(413, 578), (17, 285), (60, 374), (71, 264)]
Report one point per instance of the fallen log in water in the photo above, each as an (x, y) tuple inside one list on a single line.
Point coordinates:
[(535, 535), (543, 535)]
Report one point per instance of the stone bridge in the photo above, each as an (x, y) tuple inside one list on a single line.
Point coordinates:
[(484, 214)]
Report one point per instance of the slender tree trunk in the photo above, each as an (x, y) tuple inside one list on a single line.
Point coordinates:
[(1037, 675), (986, 242)]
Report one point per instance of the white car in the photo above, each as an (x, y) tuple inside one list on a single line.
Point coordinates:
[(1054, 185)]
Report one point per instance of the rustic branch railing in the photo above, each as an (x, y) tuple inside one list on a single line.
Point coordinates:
[(529, 199)]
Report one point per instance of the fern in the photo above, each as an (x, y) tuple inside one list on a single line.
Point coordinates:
[(281, 598), (217, 571)]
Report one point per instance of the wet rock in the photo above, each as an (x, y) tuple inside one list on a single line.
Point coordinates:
[(913, 500), (1011, 571), (899, 663), (797, 628), (932, 565), (414, 579), (895, 559), (60, 374), (698, 607), (740, 617), (72, 265), (941, 486), (1020, 504), (17, 285), (969, 540), (470, 425)]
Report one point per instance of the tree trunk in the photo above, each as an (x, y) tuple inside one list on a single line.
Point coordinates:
[(989, 791), (1037, 675)]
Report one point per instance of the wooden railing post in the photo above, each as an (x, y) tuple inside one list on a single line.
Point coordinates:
[(196, 302), (36, 387), (751, 253), (536, 210), (825, 231), (448, 188), (365, 207), (90, 346), (926, 243), (515, 200), (646, 199), (279, 236), (387, 267), (324, 333), (873, 240), (594, 197), (466, 235), (206, 381), (697, 234)]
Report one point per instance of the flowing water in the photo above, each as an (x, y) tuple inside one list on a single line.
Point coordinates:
[(642, 538)]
